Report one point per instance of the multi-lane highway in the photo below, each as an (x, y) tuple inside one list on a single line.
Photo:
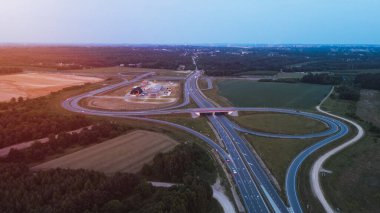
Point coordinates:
[(254, 184)]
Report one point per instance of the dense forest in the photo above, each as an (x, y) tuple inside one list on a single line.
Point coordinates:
[(348, 92), (368, 80), (24, 120), (184, 160), (9, 70), (347, 86), (58, 190), (322, 78)]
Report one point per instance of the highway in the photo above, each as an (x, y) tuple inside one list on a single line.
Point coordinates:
[(256, 189)]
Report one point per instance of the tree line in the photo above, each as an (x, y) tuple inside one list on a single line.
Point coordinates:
[(24, 120), (64, 190), (58, 144), (322, 78), (227, 61), (348, 87), (368, 81), (182, 161)]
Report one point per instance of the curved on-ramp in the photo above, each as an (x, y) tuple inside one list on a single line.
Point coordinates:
[(314, 173), (335, 125)]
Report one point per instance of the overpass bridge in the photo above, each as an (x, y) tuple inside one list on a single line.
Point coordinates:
[(210, 111)]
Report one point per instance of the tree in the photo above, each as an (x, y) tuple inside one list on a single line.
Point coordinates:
[(16, 156)]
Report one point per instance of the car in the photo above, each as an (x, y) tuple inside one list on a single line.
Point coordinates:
[(234, 171), (227, 159)]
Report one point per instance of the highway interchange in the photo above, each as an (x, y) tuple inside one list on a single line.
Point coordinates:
[(257, 191)]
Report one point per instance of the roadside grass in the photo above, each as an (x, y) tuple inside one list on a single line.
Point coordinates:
[(354, 185), (339, 107), (279, 123), (305, 194), (214, 95), (199, 124), (244, 93), (277, 154), (60, 96), (202, 83)]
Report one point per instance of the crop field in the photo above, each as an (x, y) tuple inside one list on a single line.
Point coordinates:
[(35, 84), (242, 93), (279, 123), (126, 153)]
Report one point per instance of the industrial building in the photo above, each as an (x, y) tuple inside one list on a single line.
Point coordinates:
[(152, 89), (136, 91)]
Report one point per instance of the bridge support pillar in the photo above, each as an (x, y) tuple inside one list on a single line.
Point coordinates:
[(195, 114), (233, 113)]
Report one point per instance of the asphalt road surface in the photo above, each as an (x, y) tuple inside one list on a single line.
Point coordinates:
[(256, 189)]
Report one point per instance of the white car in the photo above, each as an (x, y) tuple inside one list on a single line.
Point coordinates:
[(234, 171)]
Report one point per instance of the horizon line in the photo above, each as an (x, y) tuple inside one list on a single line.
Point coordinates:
[(79, 44)]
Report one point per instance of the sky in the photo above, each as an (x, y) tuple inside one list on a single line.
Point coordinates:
[(190, 21)]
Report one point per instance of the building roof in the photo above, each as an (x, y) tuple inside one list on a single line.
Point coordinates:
[(136, 91)]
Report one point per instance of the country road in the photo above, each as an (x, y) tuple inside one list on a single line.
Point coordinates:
[(317, 165)]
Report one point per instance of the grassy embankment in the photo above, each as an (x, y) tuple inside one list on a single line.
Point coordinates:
[(279, 123), (354, 185)]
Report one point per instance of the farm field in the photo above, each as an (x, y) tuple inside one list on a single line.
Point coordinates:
[(242, 93), (35, 84), (126, 153), (279, 123)]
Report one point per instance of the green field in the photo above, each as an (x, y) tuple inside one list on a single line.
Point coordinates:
[(243, 93), (279, 123), (354, 185)]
